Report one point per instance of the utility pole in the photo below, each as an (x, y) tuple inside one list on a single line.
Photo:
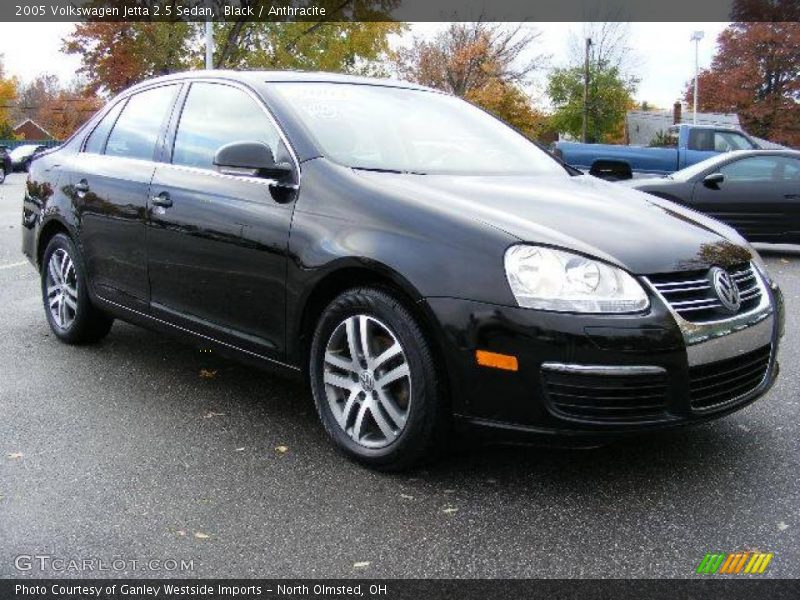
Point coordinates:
[(586, 91), (696, 37)]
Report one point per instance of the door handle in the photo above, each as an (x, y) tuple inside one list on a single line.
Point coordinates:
[(163, 200), (82, 188)]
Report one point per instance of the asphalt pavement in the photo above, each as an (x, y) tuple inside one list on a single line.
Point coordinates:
[(142, 448)]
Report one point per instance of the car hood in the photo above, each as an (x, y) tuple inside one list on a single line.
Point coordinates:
[(636, 231)]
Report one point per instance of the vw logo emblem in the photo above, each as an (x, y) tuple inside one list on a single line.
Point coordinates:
[(367, 381), (726, 289)]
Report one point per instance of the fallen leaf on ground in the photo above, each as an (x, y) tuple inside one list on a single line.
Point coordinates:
[(208, 373), (181, 532), (450, 510), (782, 526), (784, 261), (211, 414), (201, 536), (361, 565), (239, 449), (449, 491), (406, 496), (281, 449), (15, 455)]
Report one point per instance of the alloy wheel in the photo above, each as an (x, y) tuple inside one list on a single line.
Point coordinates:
[(367, 381), (62, 288)]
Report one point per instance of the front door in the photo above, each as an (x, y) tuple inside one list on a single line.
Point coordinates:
[(217, 243), (760, 198)]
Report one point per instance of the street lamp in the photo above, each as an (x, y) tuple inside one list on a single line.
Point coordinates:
[(696, 37)]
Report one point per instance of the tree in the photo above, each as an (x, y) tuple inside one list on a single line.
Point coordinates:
[(610, 97), (481, 62), (68, 109), (468, 56), (8, 93), (32, 96), (610, 45), (509, 103), (353, 38), (115, 56), (756, 73), (343, 47)]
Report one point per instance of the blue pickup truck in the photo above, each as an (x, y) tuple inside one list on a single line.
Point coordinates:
[(684, 145)]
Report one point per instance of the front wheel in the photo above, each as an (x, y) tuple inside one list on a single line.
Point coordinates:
[(374, 381), (70, 313)]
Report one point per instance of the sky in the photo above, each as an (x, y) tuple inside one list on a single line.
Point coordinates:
[(664, 55)]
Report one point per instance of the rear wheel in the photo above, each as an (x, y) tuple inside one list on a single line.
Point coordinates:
[(70, 313), (374, 381)]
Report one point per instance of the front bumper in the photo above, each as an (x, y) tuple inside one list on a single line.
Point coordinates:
[(671, 371)]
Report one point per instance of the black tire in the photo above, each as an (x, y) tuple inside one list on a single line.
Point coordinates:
[(2, 174), (425, 425), (89, 324)]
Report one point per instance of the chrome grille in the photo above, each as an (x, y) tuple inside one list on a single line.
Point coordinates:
[(716, 384), (691, 295)]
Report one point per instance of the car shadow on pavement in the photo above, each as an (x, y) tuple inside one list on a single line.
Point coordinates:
[(243, 405)]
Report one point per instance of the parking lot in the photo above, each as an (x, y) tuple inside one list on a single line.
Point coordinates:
[(142, 448)]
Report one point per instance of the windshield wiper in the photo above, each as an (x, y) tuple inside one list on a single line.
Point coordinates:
[(395, 171)]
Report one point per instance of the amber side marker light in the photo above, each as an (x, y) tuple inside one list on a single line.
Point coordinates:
[(505, 362)]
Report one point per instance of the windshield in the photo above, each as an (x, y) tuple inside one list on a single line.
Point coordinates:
[(414, 131)]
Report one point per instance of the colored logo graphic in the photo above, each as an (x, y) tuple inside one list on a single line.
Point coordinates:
[(739, 563)]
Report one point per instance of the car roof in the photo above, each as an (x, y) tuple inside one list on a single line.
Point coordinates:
[(255, 78)]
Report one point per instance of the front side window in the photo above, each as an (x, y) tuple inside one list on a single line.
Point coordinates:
[(136, 132), (756, 169), (97, 140), (215, 115), (406, 130)]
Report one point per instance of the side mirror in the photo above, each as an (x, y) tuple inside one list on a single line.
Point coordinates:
[(250, 158), (713, 180)]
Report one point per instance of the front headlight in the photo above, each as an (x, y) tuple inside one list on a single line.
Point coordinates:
[(550, 279)]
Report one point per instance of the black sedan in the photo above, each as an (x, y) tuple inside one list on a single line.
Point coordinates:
[(757, 192), (420, 262)]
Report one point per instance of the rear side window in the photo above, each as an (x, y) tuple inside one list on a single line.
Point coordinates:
[(215, 115), (97, 140), (136, 132)]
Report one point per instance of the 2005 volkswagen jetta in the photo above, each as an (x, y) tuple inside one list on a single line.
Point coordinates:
[(419, 261)]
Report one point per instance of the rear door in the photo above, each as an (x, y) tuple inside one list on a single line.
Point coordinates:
[(760, 198), (217, 252), (109, 182)]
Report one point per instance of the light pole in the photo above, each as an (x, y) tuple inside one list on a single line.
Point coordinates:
[(209, 45), (210, 38), (696, 37)]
